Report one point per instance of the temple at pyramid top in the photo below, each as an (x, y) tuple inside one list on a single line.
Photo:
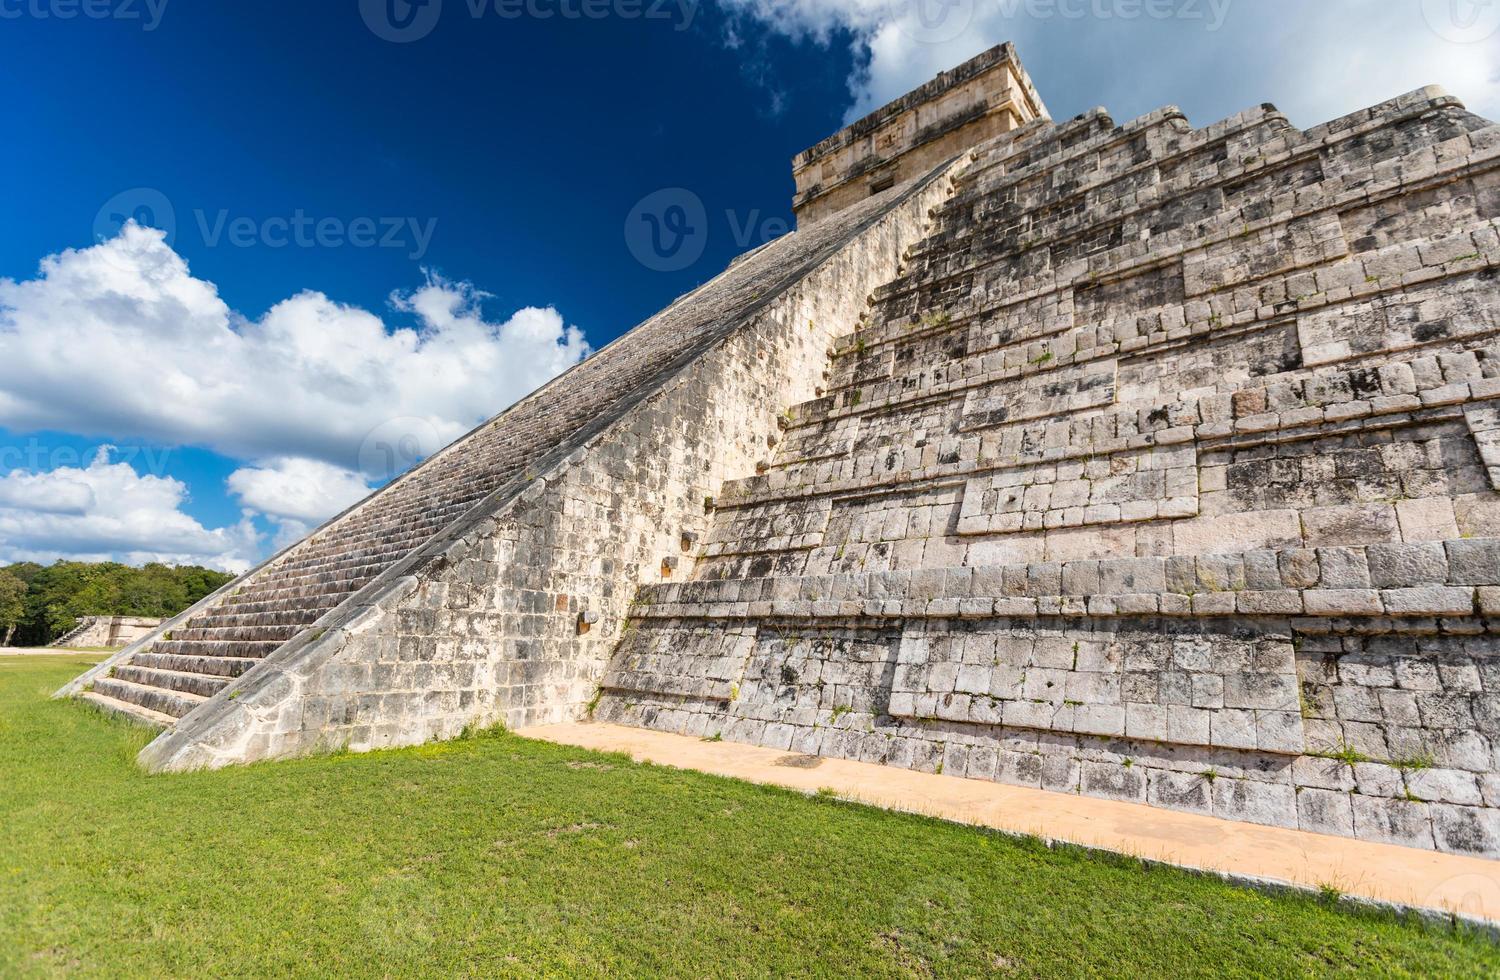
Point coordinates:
[(985, 96)]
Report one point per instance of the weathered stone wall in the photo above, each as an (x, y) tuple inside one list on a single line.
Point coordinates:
[(1165, 471), (1142, 461), (511, 614)]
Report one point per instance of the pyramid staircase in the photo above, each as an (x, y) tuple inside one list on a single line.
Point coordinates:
[(199, 654), (165, 677), (1139, 383), (1155, 448), (195, 659)]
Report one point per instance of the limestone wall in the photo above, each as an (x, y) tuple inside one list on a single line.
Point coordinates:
[(511, 614), (1165, 471)]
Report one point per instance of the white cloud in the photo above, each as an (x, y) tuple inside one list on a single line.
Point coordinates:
[(105, 511), (323, 400), (1316, 61), (119, 340), (296, 494), (299, 489)]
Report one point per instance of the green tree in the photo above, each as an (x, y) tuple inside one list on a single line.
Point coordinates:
[(12, 605), (58, 594)]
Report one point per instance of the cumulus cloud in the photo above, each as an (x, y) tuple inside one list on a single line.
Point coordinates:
[(321, 400), (296, 494), (299, 489), (1316, 61), (107, 511), (120, 340)]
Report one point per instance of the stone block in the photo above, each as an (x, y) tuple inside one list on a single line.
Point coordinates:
[(1237, 532), (1406, 565), (1426, 519), (1191, 726), (1473, 562), (1114, 781), (1282, 602), (1061, 771), (1321, 773), (1343, 568), (1299, 568), (1232, 728), (1214, 604), (1466, 829), (1444, 786), (1378, 779), (1207, 690), (1325, 811), (1342, 602), (1429, 601), (1348, 525), (1279, 732), (1146, 721), (1392, 821), (1188, 791), (1252, 801), (1019, 768)]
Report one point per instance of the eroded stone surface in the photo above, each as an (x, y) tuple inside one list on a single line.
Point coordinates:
[(1150, 462), (1163, 472)]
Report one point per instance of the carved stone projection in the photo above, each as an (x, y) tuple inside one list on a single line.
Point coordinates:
[(1139, 461)]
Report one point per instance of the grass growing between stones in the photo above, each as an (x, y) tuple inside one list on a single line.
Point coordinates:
[(497, 855)]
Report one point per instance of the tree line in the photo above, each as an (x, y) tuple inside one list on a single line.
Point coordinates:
[(39, 603)]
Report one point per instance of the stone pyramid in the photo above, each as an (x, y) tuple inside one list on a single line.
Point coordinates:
[(1138, 461)]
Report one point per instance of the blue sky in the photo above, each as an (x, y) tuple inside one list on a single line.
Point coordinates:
[(462, 198)]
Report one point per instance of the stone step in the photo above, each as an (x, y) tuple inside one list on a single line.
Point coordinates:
[(1000, 244), (395, 530), (322, 562), (457, 492), (218, 666), (263, 631), (252, 649), (128, 711), (323, 581), (203, 685), (332, 573), (173, 703), (219, 619), (272, 593), (1267, 145), (314, 605)]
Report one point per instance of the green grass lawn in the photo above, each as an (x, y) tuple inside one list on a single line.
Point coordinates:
[(497, 855)]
